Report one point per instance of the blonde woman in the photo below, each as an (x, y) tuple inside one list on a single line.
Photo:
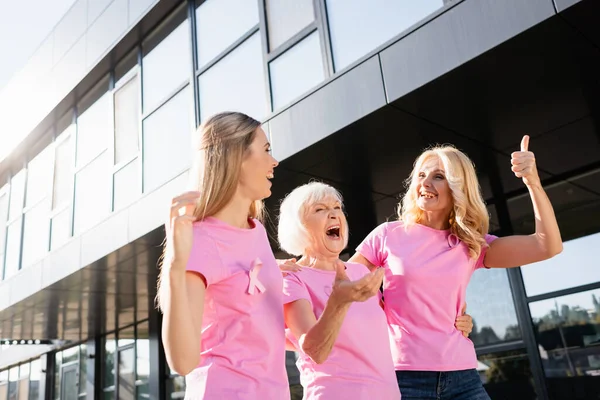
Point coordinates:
[(429, 256), (220, 286)]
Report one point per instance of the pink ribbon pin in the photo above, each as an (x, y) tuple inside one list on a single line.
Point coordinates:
[(254, 282)]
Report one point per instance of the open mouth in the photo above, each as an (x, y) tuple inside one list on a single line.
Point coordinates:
[(333, 232), (270, 176), (428, 195)]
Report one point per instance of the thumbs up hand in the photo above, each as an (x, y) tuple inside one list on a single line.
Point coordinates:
[(523, 164)]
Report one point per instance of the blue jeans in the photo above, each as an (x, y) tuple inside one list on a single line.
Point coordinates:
[(451, 385)]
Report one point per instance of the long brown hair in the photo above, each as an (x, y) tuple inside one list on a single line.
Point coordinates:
[(223, 141)]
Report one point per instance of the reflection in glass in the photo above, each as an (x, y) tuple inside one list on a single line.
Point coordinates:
[(17, 191), (507, 375), (176, 388), (286, 18), (83, 368), (352, 38), (13, 249), (127, 373), (568, 334), (143, 352), (166, 67), (127, 115), (93, 129), (220, 24), (63, 172), (236, 83), (167, 136), (490, 303), (13, 379), (34, 379), (297, 70), (126, 187), (110, 346), (92, 194), (39, 177), (57, 368), (61, 229), (70, 355), (576, 265), (36, 233)]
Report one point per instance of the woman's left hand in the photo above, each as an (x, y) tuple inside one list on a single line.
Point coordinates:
[(288, 265), (464, 322), (523, 164)]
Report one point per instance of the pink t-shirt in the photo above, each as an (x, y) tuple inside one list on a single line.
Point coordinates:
[(359, 365), (243, 339), (426, 276)]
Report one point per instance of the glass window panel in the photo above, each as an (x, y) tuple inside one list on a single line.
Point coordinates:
[(93, 129), (143, 352), (507, 373), (490, 303), (83, 356), (576, 265), (297, 70), (110, 347), (166, 66), (34, 379), (58, 361), (176, 388), (61, 229), (380, 21), (3, 212), (92, 194), (127, 119), (127, 374), (13, 378), (63, 172), (17, 191), (236, 83), (23, 391), (109, 395), (568, 334), (126, 185), (143, 392), (126, 336), (3, 390), (39, 177), (167, 136), (70, 355), (13, 249), (220, 24), (286, 18), (36, 233)]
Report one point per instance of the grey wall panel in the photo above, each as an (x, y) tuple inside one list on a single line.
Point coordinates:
[(455, 37), (151, 211), (27, 282), (62, 263), (137, 8), (95, 8), (346, 99), (104, 238), (70, 28), (4, 294), (109, 27)]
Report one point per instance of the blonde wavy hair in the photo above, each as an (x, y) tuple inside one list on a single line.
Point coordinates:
[(222, 143), (469, 218)]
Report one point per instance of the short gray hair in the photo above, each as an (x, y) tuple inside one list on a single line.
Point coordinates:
[(293, 237)]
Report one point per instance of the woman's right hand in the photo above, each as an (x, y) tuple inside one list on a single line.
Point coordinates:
[(347, 291), (179, 231)]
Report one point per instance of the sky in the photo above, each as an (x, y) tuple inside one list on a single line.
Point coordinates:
[(23, 27)]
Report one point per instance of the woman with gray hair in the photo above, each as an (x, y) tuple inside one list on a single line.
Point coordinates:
[(332, 308)]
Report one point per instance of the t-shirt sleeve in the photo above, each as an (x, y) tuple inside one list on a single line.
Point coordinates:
[(294, 289), (372, 248), (489, 239), (205, 259)]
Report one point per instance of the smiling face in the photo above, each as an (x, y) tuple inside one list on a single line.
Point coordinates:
[(257, 169), (326, 226), (432, 190)]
